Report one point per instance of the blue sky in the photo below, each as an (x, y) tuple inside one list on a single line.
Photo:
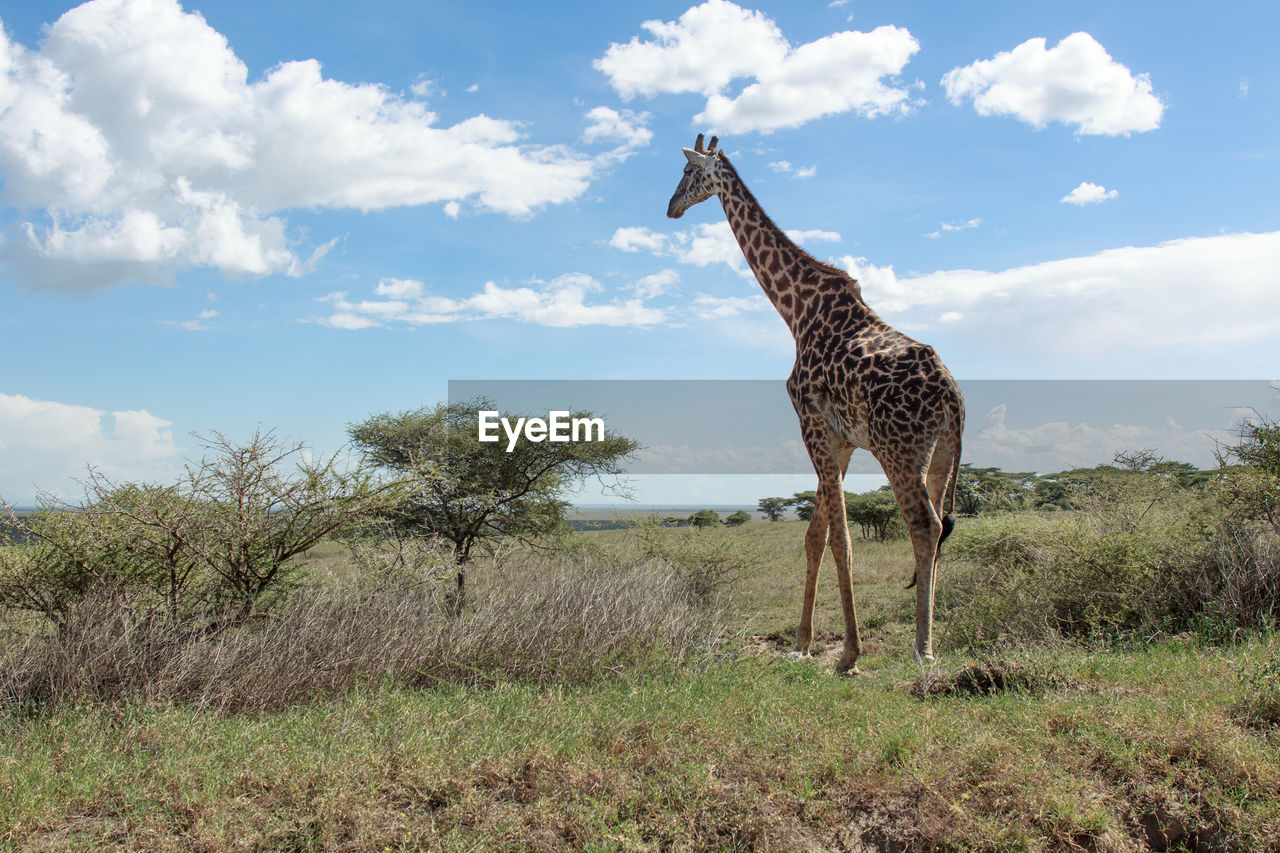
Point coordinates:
[(231, 213)]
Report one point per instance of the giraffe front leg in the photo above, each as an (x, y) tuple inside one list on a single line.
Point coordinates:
[(926, 529), (831, 496)]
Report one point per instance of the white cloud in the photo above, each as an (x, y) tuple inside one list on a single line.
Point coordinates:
[(47, 445), (638, 239), (944, 227), (784, 167), (135, 129), (718, 42), (709, 243), (425, 88), (627, 128), (198, 324), (1206, 290), (703, 52), (399, 288), (560, 302), (656, 284), (1088, 193), (704, 244), (1076, 82), (813, 235)]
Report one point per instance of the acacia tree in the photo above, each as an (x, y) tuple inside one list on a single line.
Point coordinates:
[(876, 512), (468, 492), (1249, 473), (773, 508), (803, 503), (704, 518)]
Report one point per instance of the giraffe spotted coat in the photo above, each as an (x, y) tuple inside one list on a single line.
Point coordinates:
[(857, 383)]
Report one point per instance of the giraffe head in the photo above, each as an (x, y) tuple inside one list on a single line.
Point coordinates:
[(701, 179)]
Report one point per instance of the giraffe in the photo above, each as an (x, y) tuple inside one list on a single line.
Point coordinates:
[(857, 382)]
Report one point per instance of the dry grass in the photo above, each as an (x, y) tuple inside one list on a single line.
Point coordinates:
[(547, 620)]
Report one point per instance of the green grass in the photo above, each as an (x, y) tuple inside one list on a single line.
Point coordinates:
[(1112, 750)]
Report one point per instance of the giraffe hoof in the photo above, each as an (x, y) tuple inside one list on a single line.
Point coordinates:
[(797, 655), (851, 671)]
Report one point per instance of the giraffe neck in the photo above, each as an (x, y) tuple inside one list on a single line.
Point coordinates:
[(787, 273)]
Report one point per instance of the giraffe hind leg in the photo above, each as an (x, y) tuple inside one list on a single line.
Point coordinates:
[(925, 528), (948, 524), (942, 466)]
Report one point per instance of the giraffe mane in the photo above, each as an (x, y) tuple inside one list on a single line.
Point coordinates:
[(768, 222)]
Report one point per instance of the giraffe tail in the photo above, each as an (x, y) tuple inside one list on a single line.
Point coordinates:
[(948, 520)]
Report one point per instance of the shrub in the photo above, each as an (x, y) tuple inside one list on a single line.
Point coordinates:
[(224, 538), (1127, 564), (1144, 553), (1249, 476)]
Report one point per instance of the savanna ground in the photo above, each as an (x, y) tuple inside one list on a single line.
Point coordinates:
[(685, 727)]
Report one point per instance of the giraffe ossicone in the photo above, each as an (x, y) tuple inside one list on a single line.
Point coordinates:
[(857, 383)]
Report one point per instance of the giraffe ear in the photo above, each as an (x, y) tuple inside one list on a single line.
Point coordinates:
[(695, 158)]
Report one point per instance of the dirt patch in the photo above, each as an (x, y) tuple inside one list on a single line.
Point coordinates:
[(886, 821), (825, 648), (1168, 827), (987, 678)]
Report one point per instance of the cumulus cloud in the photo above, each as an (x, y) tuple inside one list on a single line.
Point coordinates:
[(1145, 296), (1076, 83), (626, 128), (560, 302), (657, 284), (136, 132), (46, 445), (1088, 193), (717, 43), (704, 244)]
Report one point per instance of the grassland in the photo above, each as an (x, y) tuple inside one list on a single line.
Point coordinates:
[(1167, 743)]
